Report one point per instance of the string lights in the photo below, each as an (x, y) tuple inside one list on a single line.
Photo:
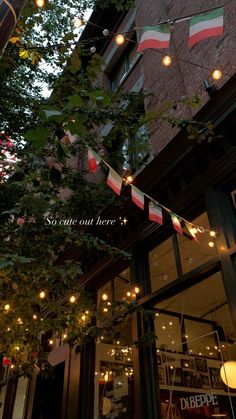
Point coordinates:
[(42, 295), (119, 39), (72, 299), (216, 74), (166, 60), (40, 3)]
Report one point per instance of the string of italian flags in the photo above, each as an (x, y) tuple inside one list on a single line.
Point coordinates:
[(201, 26), (155, 209)]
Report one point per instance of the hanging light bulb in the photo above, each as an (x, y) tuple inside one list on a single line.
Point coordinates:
[(77, 22), (50, 342), (105, 32), (7, 307), (166, 60), (216, 74), (129, 179), (40, 3), (104, 297), (119, 39), (72, 299), (42, 295), (136, 290)]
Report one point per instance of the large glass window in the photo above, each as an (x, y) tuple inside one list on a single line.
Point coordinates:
[(114, 386), (123, 66), (181, 251), (194, 254), (162, 264), (195, 338)]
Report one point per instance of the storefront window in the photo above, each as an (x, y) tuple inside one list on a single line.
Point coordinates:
[(114, 386), (162, 264), (203, 340), (194, 254)]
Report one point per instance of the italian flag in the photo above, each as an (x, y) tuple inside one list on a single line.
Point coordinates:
[(176, 224), (191, 231), (206, 25), (137, 197), (154, 37), (155, 213), (114, 181), (93, 160)]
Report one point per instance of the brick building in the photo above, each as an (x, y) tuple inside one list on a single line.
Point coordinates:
[(190, 287)]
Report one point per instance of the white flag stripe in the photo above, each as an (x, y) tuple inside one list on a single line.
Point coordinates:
[(206, 24), (160, 36)]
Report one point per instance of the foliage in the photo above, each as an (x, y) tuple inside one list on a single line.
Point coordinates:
[(50, 183)]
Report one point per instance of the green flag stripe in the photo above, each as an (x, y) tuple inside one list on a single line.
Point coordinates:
[(207, 16)]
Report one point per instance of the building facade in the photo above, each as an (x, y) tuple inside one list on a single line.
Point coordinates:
[(189, 287)]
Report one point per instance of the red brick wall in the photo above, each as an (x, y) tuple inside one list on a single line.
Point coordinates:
[(181, 79)]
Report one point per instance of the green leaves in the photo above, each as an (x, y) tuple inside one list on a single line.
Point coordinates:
[(38, 137)]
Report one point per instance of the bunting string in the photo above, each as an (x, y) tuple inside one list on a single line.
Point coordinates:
[(204, 24), (155, 208)]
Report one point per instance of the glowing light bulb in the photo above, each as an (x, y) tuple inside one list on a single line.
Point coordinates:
[(42, 294), (34, 316), (216, 74), (65, 336), (128, 294), (211, 244), (212, 233), (50, 342), (40, 3), (83, 317), (77, 22), (105, 310), (7, 307), (129, 179), (119, 39), (137, 290), (72, 299), (93, 49), (167, 60), (104, 297)]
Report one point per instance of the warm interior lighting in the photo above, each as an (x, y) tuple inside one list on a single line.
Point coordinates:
[(216, 74), (228, 373), (7, 307), (119, 39), (128, 294), (65, 336), (212, 233), (104, 297), (72, 299), (40, 3), (34, 316), (50, 342), (137, 290), (167, 60), (83, 317), (42, 294), (211, 244)]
